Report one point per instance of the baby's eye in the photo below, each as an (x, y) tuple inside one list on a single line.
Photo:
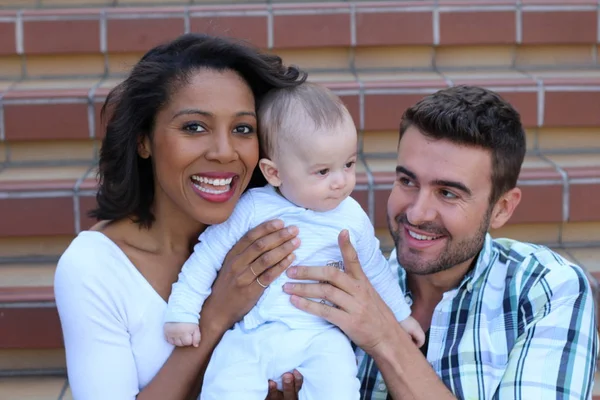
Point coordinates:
[(350, 164), (323, 172)]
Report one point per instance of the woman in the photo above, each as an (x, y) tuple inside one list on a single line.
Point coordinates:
[(180, 148)]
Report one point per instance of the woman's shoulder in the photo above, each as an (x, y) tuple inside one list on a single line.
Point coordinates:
[(91, 253)]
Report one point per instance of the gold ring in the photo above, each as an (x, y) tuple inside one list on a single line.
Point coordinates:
[(257, 281), (255, 274)]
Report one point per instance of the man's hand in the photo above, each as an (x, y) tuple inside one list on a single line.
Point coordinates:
[(359, 306)]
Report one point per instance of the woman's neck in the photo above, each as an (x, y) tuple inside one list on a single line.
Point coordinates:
[(171, 235), (173, 231)]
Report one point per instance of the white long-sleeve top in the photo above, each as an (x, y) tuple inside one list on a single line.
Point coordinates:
[(112, 320), (318, 232)]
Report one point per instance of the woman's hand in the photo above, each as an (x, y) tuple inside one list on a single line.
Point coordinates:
[(263, 253), (361, 313), (291, 382)]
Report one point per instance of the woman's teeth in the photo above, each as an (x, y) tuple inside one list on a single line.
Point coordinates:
[(212, 186), (214, 182), (421, 237)]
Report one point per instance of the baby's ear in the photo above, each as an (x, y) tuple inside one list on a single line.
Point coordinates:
[(270, 171)]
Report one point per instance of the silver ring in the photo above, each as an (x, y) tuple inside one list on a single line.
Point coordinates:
[(257, 281), (254, 273)]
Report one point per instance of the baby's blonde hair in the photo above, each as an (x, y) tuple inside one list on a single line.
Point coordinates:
[(282, 110)]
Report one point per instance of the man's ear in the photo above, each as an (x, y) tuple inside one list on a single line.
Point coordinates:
[(504, 208), (270, 171), (144, 149)]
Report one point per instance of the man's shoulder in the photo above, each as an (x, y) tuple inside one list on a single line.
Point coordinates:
[(524, 253), (531, 267)]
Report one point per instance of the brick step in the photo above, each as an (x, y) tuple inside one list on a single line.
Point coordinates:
[(45, 250), (556, 188), (26, 308), (26, 304), (44, 4), (557, 107), (49, 201), (54, 388), (80, 152), (355, 36)]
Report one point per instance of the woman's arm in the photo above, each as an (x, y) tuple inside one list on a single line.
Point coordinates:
[(268, 250), (99, 354)]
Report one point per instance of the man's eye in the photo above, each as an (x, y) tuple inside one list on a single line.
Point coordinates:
[(448, 194), (405, 181)]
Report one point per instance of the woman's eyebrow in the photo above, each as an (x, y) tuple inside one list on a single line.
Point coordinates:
[(189, 111)]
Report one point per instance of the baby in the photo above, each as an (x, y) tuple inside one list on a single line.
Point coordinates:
[(311, 144)]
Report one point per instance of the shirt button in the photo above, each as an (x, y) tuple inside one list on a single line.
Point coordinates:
[(382, 387)]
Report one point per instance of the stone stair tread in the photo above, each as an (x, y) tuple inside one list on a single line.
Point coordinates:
[(40, 87), (25, 275), (69, 192), (34, 178), (29, 299), (40, 388), (76, 103)]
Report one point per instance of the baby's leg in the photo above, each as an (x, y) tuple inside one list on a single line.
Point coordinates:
[(329, 368), (236, 369)]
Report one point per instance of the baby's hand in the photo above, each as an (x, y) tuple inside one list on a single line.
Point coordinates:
[(413, 328), (182, 334)]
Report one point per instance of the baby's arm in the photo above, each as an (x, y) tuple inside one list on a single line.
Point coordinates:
[(199, 272), (188, 295)]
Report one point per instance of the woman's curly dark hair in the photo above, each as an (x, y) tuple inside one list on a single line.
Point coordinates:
[(126, 179)]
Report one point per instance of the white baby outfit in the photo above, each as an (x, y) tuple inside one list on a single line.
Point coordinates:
[(275, 337)]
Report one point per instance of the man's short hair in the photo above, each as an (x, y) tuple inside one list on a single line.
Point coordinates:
[(474, 116), (288, 115)]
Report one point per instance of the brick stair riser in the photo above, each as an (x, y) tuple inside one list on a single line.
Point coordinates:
[(74, 114), (302, 25)]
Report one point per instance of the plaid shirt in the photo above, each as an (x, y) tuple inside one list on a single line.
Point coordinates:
[(521, 325)]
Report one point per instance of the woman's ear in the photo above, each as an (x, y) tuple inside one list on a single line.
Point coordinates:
[(144, 148), (270, 171)]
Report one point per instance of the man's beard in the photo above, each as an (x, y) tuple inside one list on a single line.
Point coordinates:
[(453, 254)]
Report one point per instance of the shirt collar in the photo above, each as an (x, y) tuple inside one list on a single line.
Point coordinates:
[(483, 263)]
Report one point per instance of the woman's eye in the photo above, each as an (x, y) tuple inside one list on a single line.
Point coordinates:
[(244, 129), (194, 127), (323, 172)]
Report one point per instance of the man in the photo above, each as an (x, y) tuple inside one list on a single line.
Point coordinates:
[(504, 319)]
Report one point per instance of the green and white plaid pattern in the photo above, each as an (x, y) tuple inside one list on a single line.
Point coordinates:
[(521, 325)]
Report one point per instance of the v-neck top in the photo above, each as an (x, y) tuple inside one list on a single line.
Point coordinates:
[(112, 320)]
